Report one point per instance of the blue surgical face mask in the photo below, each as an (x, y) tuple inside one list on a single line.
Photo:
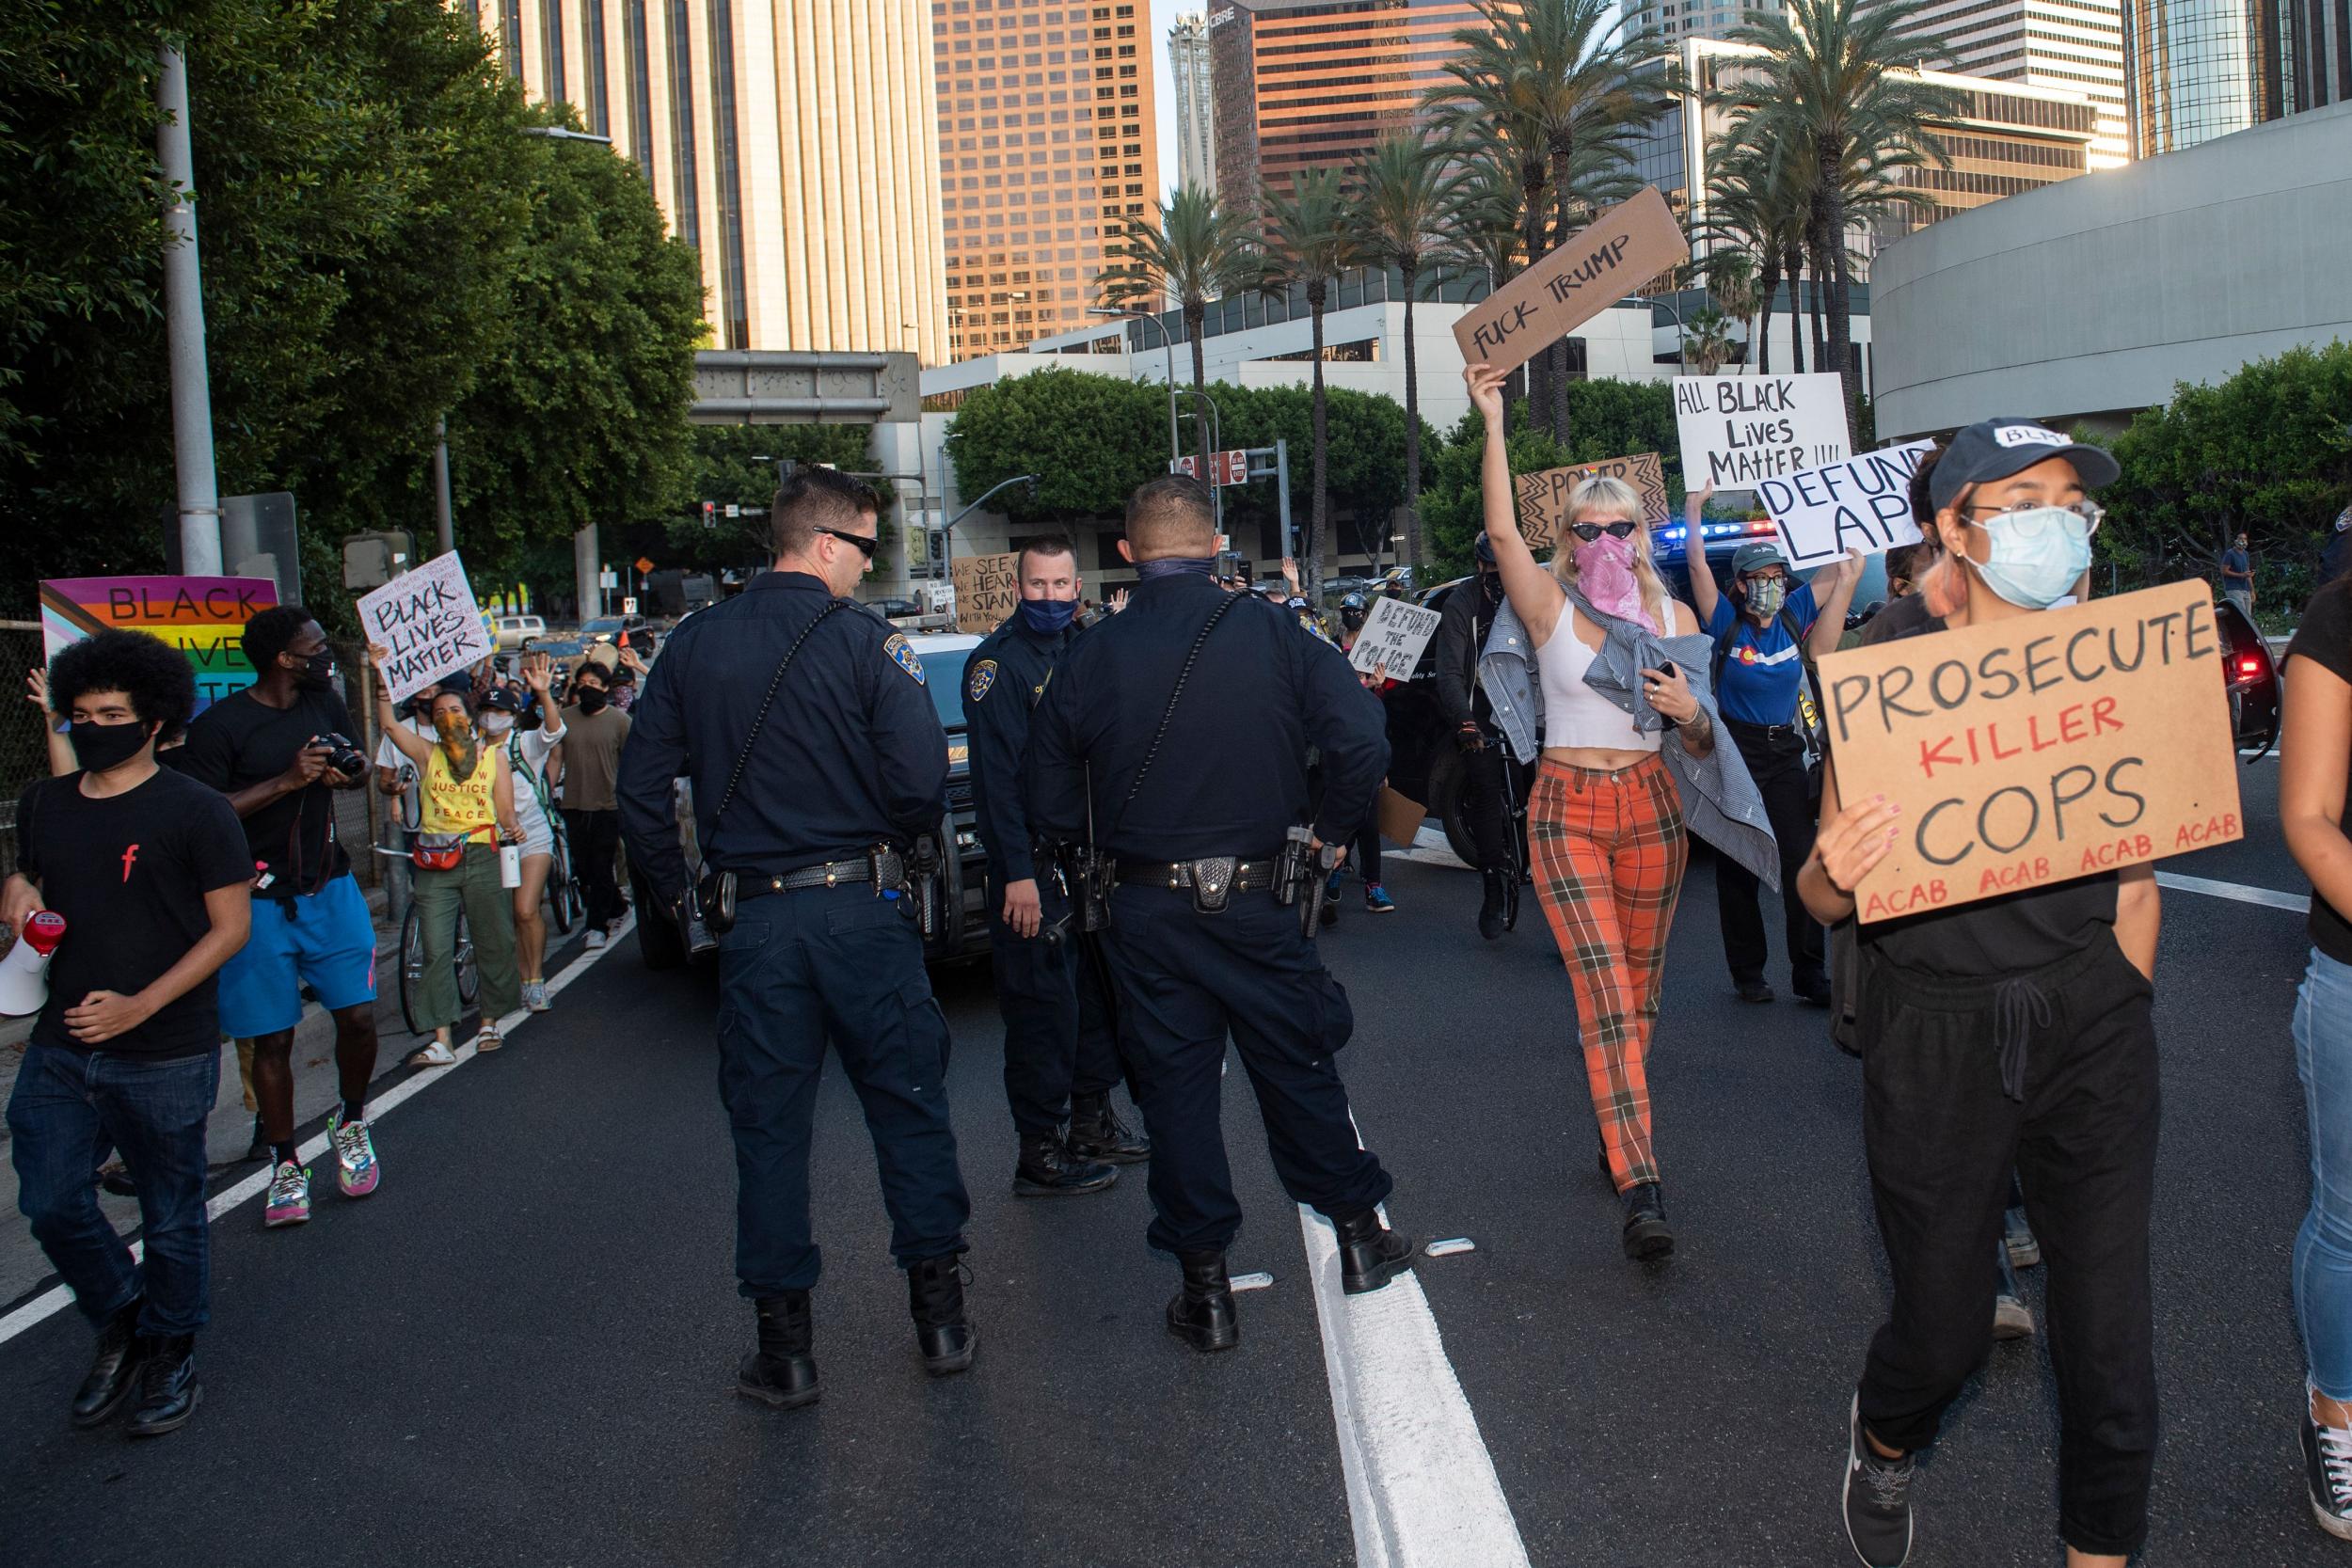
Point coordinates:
[(1046, 617), (2038, 555)]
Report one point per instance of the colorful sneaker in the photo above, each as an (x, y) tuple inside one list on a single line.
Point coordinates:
[(356, 1170), (1376, 900), (535, 996), (289, 1195)]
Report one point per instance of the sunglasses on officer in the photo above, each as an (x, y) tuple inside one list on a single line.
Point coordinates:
[(866, 546), (1590, 531)]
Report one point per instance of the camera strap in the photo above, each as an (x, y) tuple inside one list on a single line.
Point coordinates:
[(743, 758), (1175, 695)]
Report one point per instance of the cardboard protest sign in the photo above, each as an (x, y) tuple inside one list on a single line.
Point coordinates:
[(202, 617), (1622, 249), (986, 588), (1544, 497), (1394, 635), (1739, 430), (2038, 749), (428, 624), (1863, 504)]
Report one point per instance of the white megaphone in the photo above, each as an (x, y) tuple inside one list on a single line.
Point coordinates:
[(25, 972)]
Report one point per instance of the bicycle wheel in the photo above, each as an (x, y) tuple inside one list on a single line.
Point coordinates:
[(559, 889), (411, 968), (468, 979)]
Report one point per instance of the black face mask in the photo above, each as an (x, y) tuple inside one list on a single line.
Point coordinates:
[(1490, 584), (1352, 619), (100, 747), (591, 699), (318, 672)]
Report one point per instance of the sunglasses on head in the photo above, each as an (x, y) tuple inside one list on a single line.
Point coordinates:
[(1590, 531), (865, 547)]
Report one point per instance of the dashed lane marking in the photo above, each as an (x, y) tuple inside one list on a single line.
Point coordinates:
[(2270, 899)]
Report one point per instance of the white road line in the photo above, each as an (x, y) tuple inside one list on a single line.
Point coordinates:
[(1421, 1491), (2300, 902), (52, 1301)]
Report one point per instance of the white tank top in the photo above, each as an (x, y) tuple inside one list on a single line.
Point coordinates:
[(1574, 713)]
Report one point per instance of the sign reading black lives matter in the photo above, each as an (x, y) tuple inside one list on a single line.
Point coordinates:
[(1739, 430), (2039, 749), (1863, 504), (1618, 253), (428, 624)]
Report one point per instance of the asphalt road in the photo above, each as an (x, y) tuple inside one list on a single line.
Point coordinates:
[(521, 1349)]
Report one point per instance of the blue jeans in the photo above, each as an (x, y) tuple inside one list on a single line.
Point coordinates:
[(2323, 1249), (65, 1107)]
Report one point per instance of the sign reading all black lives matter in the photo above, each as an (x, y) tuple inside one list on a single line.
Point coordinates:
[(1739, 430), (428, 624)]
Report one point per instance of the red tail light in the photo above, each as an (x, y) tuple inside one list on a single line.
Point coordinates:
[(2250, 664)]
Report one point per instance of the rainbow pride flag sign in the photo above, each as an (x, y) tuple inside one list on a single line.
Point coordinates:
[(202, 617)]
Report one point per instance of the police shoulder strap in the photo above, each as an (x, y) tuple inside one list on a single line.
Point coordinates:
[(1174, 696), (750, 738)]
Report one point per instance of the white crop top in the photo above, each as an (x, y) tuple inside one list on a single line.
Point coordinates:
[(1574, 713)]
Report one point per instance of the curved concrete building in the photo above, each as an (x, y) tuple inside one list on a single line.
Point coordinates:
[(2090, 300)]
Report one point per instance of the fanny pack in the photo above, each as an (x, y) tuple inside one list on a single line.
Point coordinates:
[(439, 851)]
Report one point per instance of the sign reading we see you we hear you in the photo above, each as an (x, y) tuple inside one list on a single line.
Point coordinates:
[(986, 588)]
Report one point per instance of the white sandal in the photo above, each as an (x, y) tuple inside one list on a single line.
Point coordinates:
[(490, 1040), (437, 1055)]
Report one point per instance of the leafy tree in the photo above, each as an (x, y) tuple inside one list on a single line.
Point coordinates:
[(1192, 250), (1090, 441), (738, 464)]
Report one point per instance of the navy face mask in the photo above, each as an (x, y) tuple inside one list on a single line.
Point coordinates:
[(1047, 617)]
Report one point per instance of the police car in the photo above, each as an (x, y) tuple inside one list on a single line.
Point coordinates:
[(964, 873)]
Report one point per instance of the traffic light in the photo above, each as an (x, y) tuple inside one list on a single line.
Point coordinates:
[(711, 514)]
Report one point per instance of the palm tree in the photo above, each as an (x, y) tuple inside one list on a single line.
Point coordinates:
[(1312, 239), (1195, 252), (1404, 206), (1839, 86), (1708, 339), (1729, 277)]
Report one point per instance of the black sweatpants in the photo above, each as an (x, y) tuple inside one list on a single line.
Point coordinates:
[(595, 838), (1776, 759), (1941, 1133), (1493, 786)]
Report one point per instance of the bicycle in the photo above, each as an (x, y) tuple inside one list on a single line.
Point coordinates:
[(411, 973)]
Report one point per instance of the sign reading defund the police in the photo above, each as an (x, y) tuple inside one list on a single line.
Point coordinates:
[(1863, 504), (427, 623), (1393, 636), (986, 588), (2038, 749), (1739, 430), (1618, 253)]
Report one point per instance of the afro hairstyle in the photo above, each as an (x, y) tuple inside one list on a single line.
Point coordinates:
[(149, 671)]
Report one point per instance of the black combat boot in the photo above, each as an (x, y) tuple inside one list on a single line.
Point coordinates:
[(114, 1370), (1491, 908), (1097, 1134), (781, 1371), (1369, 1254), (167, 1387), (935, 1298), (1045, 1169), (1202, 1314), (1646, 1235)]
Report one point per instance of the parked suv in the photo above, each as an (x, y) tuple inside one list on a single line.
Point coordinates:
[(516, 630)]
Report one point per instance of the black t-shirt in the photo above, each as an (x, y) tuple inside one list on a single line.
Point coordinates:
[(2325, 637), (239, 742), (129, 873), (1993, 937)]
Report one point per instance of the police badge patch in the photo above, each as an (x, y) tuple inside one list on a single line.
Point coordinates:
[(983, 676), (902, 654)]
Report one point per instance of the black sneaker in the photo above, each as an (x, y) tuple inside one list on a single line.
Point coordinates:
[(1754, 990), (1878, 1499), (2328, 1472)]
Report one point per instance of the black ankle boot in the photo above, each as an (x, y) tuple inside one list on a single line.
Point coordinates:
[(781, 1371), (114, 1370), (1046, 1169), (1097, 1134), (167, 1387), (1369, 1254), (1645, 1233), (1491, 908), (1201, 1315), (935, 1298)]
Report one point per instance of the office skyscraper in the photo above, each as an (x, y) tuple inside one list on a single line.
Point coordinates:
[(2201, 68), (795, 156), (1196, 102), (2072, 45), (1047, 145)]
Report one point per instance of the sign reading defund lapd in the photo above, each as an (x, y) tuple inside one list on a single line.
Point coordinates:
[(2038, 749), (1863, 504), (1739, 429), (1618, 253)]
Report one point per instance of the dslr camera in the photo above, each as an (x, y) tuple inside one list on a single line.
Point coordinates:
[(342, 755)]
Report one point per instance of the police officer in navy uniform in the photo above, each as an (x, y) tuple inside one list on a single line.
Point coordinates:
[(845, 770), (1061, 1051), (1198, 944)]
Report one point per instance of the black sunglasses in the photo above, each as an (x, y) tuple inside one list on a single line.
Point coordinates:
[(1590, 531), (865, 547)]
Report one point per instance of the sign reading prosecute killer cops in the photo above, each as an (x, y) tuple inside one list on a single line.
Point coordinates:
[(1737, 431), (2039, 749)]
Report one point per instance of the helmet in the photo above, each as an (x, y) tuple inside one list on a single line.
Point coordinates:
[(502, 698), (1353, 601)]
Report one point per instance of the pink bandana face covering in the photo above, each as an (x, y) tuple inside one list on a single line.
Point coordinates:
[(1604, 571)]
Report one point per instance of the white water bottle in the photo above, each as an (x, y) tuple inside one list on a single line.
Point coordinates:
[(510, 865), (25, 972)]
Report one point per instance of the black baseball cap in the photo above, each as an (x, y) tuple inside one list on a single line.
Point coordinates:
[(503, 698), (1485, 548), (1995, 449)]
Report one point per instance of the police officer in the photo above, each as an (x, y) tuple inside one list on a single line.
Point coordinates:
[(1061, 1051), (1193, 751), (812, 781)]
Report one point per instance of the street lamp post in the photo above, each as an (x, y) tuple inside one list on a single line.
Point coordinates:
[(1216, 444), (1167, 342), (1682, 335), (183, 331)]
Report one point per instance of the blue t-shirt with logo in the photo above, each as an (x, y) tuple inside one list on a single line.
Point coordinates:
[(1763, 665)]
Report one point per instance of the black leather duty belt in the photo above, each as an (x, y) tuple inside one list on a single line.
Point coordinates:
[(1239, 874), (889, 870)]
